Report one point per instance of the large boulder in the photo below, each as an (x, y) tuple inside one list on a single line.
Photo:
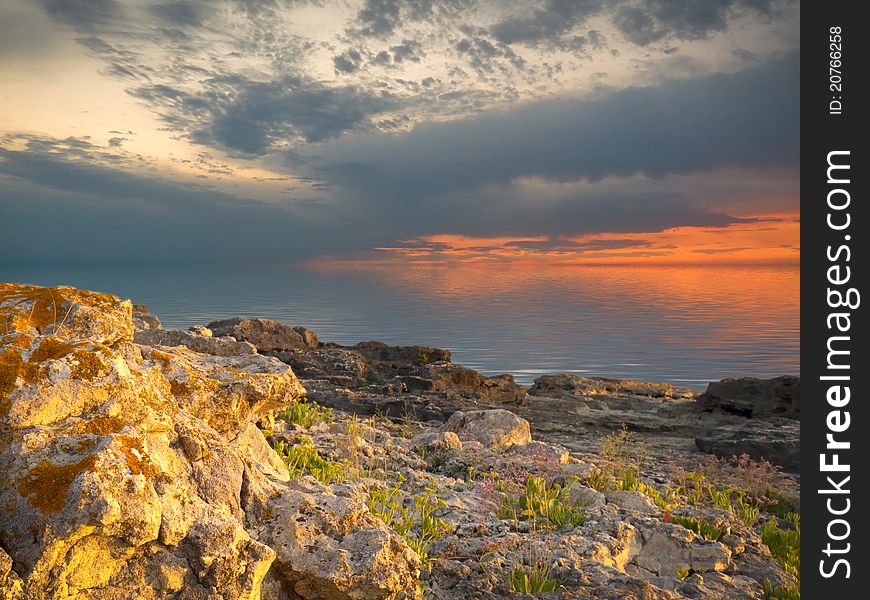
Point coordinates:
[(266, 335), (497, 428), (134, 470), (754, 398)]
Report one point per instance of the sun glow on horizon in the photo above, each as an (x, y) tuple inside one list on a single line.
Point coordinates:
[(764, 239)]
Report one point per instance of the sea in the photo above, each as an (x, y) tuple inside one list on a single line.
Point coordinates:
[(687, 325)]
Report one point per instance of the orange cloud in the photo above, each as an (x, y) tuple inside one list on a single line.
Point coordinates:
[(768, 239)]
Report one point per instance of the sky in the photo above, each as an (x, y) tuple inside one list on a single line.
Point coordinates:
[(396, 131)]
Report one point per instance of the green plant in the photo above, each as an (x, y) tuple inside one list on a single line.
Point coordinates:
[(784, 544), (304, 459), (682, 574), (624, 453), (436, 459), (778, 592), (532, 580), (306, 413), (705, 529), (542, 502), (417, 524)]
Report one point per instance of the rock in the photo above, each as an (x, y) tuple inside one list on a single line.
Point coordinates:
[(200, 330), (406, 355), (576, 386), (754, 398), (143, 319), (205, 344), (783, 451), (328, 363), (501, 389), (134, 470), (713, 556), (331, 546), (540, 452), (632, 501), (266, 335), (226, 390), (665, 553), (497, 428), (586, 497), (11, 586), (442, 440)]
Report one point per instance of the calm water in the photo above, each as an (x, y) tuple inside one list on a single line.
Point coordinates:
[(683, 325)]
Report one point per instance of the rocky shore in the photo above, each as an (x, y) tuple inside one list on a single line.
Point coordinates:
[(247, 459)]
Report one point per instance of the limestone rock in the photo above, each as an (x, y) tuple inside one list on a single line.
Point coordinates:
[(331, 546), (567, 385), (266, 335), (633, 501), (11, 586), (497, 428), (501, 389), (410, 355), (143, 319), (440, 440), (196, 341), (754, 398), (783, 450), (134, 470)]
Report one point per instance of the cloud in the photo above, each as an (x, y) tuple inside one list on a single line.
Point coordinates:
[(485, 57), (410, 50), (186, 13), (252, 117), (406, 119), (84, 14), (348, 61), (562, 245), (471, 167), (649, 21), (546, 23)]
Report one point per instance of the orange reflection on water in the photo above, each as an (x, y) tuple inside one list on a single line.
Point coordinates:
[(670, 321)]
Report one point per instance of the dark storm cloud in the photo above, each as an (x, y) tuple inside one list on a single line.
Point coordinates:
[(748, 119), (545, 23), (60, 197), (250, 117), (58, 165), (653, 20)]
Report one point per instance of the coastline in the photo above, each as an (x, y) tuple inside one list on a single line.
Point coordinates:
[(405, 475)]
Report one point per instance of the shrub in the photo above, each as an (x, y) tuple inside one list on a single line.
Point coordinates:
[(532, 580), (417, 524), (705, 529), (304, 459), (305, 413), (778, 592), (542, 502), (784, 544)]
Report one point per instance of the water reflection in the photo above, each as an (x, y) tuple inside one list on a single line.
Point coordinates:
[(681, 324)]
